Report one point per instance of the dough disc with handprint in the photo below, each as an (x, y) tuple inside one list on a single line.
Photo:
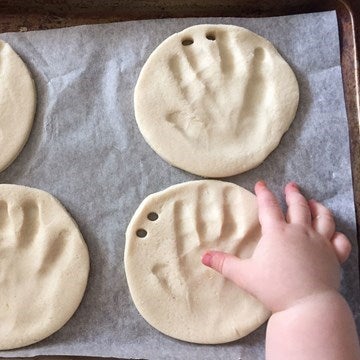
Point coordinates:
[(215, 100), (44, 266), (169, 285), (17, 104)]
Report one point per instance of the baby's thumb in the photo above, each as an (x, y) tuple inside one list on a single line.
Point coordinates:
[(231, 267)]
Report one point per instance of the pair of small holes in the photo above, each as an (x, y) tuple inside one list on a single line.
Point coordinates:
[(152, 216), (189, 41)]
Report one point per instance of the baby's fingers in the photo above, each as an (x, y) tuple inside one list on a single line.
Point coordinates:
[(298, 209), (269, 210), (231, 267), (322, 219), (342, 246)]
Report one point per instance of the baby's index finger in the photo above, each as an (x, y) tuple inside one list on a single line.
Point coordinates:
[(270, 212)]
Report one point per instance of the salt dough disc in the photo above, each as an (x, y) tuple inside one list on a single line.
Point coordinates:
[(215, 100), (44, 266), (17, 104), (170, 287)]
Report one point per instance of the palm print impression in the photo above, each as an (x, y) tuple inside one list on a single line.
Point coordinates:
[(215, 100), (44, 265), (221, 86), (162, 259)]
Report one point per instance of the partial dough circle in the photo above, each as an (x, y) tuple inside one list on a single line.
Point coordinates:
[(215, 100), (44, 266), (170, 287), (17, 104)]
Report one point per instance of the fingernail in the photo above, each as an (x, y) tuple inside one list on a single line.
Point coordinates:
[(206, 259), (294, 185), (261, 183)]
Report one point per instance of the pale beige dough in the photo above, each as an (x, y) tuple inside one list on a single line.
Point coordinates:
[(17, 104), (215, 100), (44, 266), (170, 287)]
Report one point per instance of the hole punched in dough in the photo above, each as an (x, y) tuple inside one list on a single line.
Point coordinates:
[(141, 233), (211, 36), (153, 216), (187, 42)]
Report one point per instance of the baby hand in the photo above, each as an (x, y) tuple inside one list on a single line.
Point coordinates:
[(297, 256)]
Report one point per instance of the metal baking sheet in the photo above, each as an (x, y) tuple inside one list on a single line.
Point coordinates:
[(86, 150)]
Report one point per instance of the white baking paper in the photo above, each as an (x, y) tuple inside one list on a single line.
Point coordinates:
[(85, 148)]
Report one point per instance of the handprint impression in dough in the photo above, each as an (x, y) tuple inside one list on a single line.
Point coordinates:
[(221, 88), (24, 240), (206, 222)]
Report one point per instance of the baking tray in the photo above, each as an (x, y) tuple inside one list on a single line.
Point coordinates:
[(27, 15)]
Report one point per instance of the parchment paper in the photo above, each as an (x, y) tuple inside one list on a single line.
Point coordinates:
[(86, 150)]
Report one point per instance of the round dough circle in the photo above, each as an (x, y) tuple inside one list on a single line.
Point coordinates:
[(170, 287), (17, 104), (44, 266), (215, 100)]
